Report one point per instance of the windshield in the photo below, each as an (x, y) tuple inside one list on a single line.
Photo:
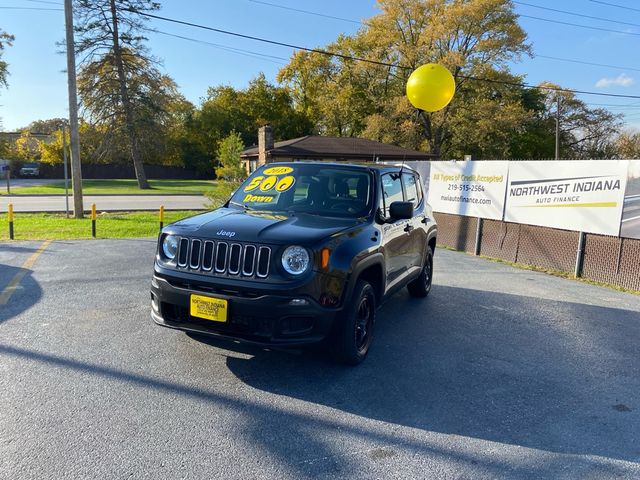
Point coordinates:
[(316, 189)]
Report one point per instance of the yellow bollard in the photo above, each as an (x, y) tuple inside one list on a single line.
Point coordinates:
[(10, 216), (93, 220), (161, 216)]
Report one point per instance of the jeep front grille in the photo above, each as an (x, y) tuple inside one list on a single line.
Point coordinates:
[(223, 258)]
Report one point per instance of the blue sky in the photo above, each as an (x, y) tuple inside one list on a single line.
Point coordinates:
[(37, 82)]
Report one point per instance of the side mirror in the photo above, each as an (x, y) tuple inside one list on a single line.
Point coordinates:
[(401, 210)]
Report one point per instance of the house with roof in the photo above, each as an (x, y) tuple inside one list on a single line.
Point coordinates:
[(317, 147)]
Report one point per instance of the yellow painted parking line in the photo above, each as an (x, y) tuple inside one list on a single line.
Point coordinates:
[(15, 281)]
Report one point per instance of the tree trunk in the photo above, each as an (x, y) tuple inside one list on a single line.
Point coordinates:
[(126, 102), (435, 143)]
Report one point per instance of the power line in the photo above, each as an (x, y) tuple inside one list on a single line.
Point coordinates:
[(299, 10), (616, 5), (589, 27), (267, 57), (45, 1), (575, 14), (306, 11), (634, 104), (263, 40), (611, 106), (633, 108), (582, 62), (373, 62), (32, 8), (239, 51)]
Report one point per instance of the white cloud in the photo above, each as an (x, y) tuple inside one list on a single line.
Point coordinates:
[(622, 80)]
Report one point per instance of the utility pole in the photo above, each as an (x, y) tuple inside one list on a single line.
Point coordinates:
[(557, 127), (76, 170)]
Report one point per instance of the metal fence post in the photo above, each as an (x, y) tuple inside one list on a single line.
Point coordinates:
[(478, 236), (580, 255)]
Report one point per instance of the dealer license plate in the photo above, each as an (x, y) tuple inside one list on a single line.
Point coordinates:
[(209, 308)]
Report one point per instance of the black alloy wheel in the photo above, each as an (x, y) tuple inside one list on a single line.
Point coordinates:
[(353, 331), (364, 324), (421, 286)]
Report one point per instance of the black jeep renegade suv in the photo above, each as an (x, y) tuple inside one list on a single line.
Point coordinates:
[(302, 252)]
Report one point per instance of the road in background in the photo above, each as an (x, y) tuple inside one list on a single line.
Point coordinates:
[(28, 182), (630, 227), (500, 373), (104, 203)]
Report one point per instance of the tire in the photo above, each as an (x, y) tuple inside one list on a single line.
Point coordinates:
[(421, 286), (354, 330)]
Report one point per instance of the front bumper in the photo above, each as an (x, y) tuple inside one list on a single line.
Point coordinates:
[(264, 319)]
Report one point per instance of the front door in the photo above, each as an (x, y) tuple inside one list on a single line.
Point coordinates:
[(396, 236)]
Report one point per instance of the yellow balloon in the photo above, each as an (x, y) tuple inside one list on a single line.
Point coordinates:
[(430, 87)]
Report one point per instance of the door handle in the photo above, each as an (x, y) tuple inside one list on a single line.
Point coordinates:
[(408, 228)]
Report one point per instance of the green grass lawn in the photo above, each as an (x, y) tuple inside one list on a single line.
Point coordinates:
[(54, 226), (158, 187)]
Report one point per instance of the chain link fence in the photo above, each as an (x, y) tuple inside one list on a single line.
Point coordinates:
[(607, 259)]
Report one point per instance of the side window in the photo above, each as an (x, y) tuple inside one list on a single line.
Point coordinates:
[(391, 191), (411, 188)]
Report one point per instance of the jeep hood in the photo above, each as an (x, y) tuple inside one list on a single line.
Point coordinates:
[(261, 227)]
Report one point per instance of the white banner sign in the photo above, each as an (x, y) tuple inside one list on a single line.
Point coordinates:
[(471, 188), (424, 169), (630, 227), (585, 196)]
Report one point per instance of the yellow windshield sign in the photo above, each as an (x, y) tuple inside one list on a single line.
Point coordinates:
[(266, 184), (277, 170)]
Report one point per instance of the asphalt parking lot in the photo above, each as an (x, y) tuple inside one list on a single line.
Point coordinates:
[(500, 373)]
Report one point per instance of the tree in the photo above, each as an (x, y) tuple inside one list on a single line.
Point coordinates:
[(535, 137), (628, 145), (473, 38), (585, 132), (5, 40), (229, 156), (52, 152), (24, 149), (154, 99), (194, 143), (186, 144), (47, 126), (109, 37), (337, 94), (227, 109)]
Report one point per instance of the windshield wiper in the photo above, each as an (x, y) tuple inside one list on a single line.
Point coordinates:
[(242, 205)]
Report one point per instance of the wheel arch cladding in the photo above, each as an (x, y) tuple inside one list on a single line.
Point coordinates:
[(373, 275)]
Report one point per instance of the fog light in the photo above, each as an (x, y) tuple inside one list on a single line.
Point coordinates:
[(298, 301)]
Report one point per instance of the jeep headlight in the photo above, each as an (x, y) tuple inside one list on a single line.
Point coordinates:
[(170, 247), (295, 260)]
